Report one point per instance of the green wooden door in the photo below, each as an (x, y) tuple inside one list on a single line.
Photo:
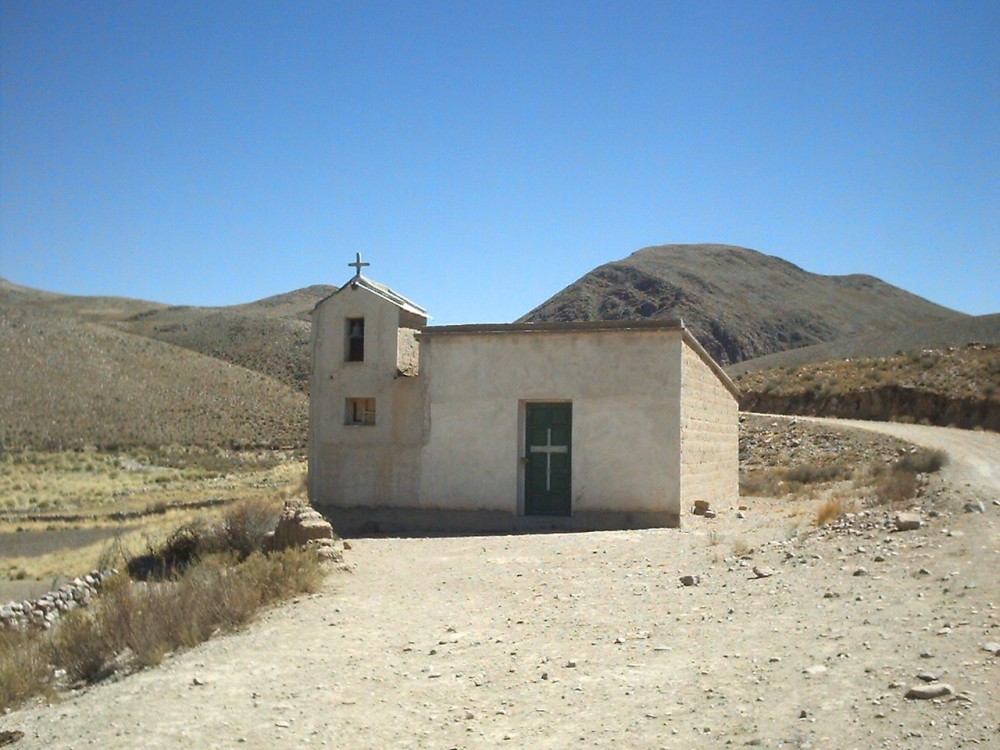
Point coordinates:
[(547, 453)]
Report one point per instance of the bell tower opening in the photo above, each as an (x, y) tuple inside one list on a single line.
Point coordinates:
[(355, 338)]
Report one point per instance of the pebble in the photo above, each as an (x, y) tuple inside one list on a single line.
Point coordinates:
[(993, 647), (975, 506), (690, 580), (815, 669), (763, 572)]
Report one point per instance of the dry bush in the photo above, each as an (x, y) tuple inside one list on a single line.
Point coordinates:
[(765, 483), (24, 669), (924, 461), (830, 511), (83, 646), (780, 482), (897, 485), (143, 621), (245, 523), (895, 488), (816, 473)]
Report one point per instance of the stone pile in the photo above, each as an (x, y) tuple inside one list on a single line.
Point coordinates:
[(45, 610), (303, 526)]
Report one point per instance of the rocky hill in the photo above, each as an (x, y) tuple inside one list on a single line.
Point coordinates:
[(739, 303)]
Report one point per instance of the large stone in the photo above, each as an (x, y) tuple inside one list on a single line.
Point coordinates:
[(908, 521), (298, 525), (933, 690)]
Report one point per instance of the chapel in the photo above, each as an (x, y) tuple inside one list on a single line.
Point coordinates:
[(513, 426)]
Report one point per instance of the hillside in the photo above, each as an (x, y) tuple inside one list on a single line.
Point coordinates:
[(953, 386), (739, 303), (983, 329), (98, 309), (269, 336), (69, 383)]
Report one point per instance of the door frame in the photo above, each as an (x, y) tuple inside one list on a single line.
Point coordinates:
[(522, 436)]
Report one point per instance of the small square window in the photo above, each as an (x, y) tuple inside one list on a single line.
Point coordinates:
[(360, 411), (354, 349)]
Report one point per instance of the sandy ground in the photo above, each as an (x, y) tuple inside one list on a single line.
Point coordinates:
[(590, 640)]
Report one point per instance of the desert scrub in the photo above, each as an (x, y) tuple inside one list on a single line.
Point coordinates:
[(778, 482), (898, 483), (220, 587), (24, 668)]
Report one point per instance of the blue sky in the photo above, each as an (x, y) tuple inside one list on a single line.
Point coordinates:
[(483, 155)]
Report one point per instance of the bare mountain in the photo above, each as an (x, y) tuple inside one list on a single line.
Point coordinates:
[(270, 336), (69, 383), (116, 372), (737, 302)]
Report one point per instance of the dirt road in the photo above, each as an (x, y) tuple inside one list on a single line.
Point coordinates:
[(590, 640), (975, 455)]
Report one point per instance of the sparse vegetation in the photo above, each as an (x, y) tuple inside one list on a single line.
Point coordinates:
[(218, 587), (111, 390), (800, 460), (831, 510), (948, 387)]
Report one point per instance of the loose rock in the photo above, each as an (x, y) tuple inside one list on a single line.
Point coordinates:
[(926, 692)]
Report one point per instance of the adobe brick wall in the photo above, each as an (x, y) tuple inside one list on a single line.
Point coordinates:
[(709, 435)]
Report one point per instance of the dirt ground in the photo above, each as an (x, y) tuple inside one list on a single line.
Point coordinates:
[(591, 640)]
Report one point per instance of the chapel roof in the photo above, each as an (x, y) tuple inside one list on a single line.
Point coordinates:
[(379, 290)]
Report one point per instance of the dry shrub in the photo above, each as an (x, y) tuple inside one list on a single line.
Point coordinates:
[(830, 511), (815, 473), (245, 524), (925, 461), (780, 482), (898, 484), (140, 622), (83, 646), (761, 484), (24, 670), (895, 488)]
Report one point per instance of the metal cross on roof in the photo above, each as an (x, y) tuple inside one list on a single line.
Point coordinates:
[(358, 264)]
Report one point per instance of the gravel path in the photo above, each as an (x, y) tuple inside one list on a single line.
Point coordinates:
[(590, 640), (975, 456)]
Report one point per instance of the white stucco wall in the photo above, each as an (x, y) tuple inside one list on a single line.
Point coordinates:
[(709, 435), (624, 386), (353, 465)]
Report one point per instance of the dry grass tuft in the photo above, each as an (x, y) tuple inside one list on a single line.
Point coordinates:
[(830, 511), (741, 548)]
